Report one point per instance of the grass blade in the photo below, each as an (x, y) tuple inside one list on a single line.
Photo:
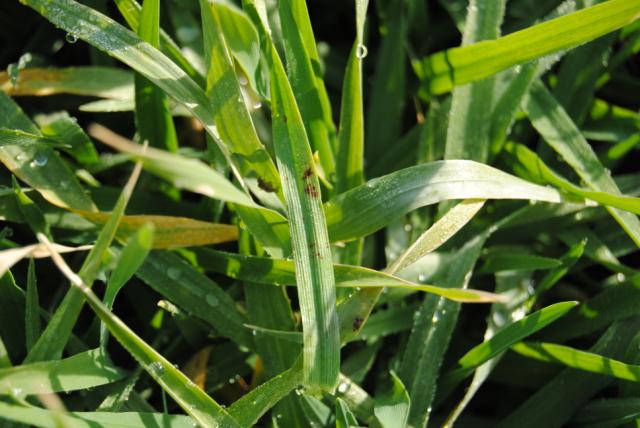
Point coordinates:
[(598, 312), (170, 232), (250, 408), (103, 82), (153, 118), (243, 42), (270, 308), (32, 308), (303, 67), (130, 10), (51, 419), (469, 120), (388, 92), (438, 234), (392, 407), (431, 333), (232, 118), (268, 226), (197, 294), (350, 151), (611, 412), (192, 399), (132, 256), (559, 131), (505, 338), (55, 336), (107, 35), (10, 257), (40, 167), (536, 168), (554, 404), (344, 417), (577, 359), (310, 243), (444, 70), (30, 211), (64, 129), (267, 270), (369, 207), (81, 371)]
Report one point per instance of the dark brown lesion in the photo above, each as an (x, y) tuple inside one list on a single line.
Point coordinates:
[(265, 185), (311, 190), (307, 173), (357, 323)]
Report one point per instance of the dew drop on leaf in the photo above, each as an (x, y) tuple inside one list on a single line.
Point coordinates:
[(174, 272), (71, 38), (156, 368), (41, 159), (211, 299), (361, 51)]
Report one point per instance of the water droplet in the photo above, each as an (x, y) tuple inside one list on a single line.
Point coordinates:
[(517, 69), (254, 333), (408, 228), (21, 157), (13, 70), (156, 368), (174, 272), (256, 105), (361, 51), (621, 277), (40, 160), (422, 277), (243, 80), (279, 416), (211, 299), (232, 380), (16, 392), (342, 388), (71, 38), (436, 317)]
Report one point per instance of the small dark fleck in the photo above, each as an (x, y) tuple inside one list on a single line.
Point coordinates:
[(284, 118), (307, 173), (357, 323), (265, 185), (317, 254), (311, 190)]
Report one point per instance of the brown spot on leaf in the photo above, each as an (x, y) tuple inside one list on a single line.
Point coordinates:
[(307, 173), (311, 190), (357, 323), (265, 185)]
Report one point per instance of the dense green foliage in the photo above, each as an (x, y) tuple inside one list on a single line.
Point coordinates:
[(404, 213)]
